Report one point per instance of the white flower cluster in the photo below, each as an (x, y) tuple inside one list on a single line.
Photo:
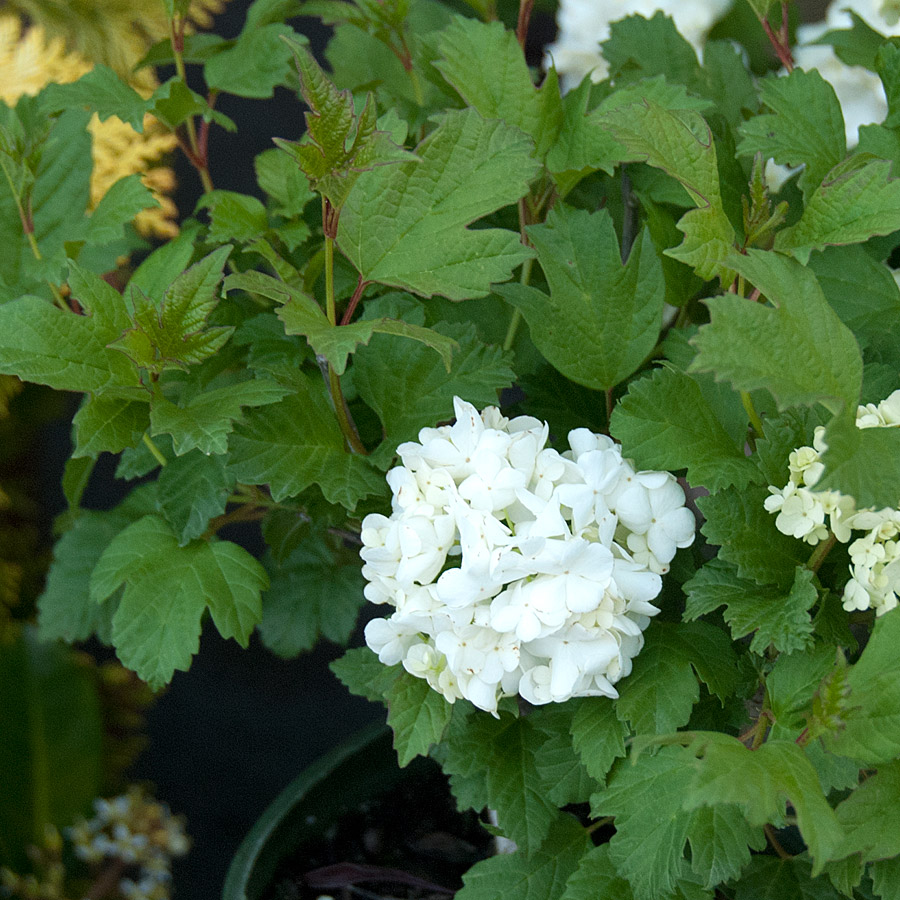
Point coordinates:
[(859, 91), (875, 557), (514, 568), (584, 25), (141, 833)]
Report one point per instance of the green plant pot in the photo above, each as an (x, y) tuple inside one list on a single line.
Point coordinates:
[(363, 767)]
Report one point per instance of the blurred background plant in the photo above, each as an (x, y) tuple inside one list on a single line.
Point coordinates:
[(71, 725)]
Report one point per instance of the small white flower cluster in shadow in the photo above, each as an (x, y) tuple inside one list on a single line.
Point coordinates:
[(874, 557), (139, 834), (515, 569)]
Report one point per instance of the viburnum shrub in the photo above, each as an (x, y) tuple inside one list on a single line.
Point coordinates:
[(601, 384)]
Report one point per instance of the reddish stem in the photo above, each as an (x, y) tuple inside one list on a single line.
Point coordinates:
[(782, 50), (330, 217), (354, 300), (525, 9)]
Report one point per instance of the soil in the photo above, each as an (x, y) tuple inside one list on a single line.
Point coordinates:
[(410, 843)]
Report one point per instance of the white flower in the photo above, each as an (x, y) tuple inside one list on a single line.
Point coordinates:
[(875, 557), (802, 515), (505, 561)]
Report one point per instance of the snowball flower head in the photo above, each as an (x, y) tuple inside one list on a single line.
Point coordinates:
[(585, 24), (514, 569), (802, 512)]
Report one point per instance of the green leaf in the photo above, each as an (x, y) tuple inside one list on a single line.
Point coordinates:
[(156, 628), (338, 145), (418, 715), (869, 816), (57, 192), (721, 397), (793, 680), (598, 735), (174, 334), (109, 424), (198, 48), (406, 225), (234, 216), (601, 318), (771, 878), (772, 618), (259, 61), (857, 45), (665, 422), (583, 145), (119, 205), (360, 671), (503, 90), (408, 391), (863, 292), (886, 878), (640, 48), (314, 592), (164, 264), (739, 524), (280, 177), (681, 144), (871, 732), (102, 91), (887, 65), (492, 762), (596, 878), (800, 351), (804, 128), (296, 443), (658, 696), (52, 745), (857, 199), (207, 419), (565, 778), (538, 875), (65, 609), (648, 799), (728, 80), (191, 490), (759, 781), (76, 475), (862, 462), (173, 103), (41, 343), (302, 315)]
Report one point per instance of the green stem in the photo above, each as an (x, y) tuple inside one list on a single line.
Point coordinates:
[(28, 230), (752, 414), (774, 842), (524, 278), (606, 820), (510, 338), (157, 455), (334, 382), (198, 159), (329, 281), (823, 548), (418, 93)]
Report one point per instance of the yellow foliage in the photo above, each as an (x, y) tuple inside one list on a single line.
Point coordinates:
[(114, 32), (29, 60)]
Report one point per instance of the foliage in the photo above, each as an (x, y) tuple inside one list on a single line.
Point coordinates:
[(264, 366)]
